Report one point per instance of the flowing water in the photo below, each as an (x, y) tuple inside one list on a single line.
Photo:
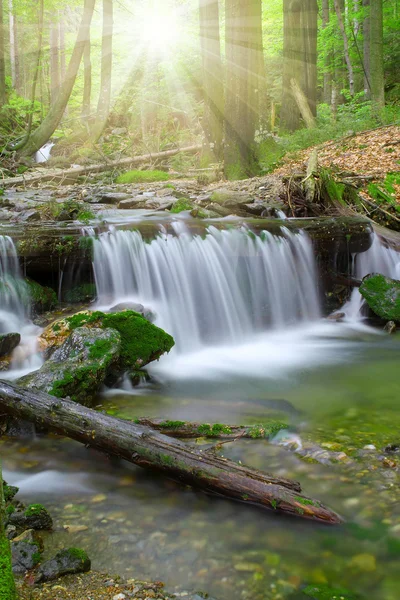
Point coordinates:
[(251, 346)]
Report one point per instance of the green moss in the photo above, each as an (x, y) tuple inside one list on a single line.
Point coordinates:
[(34, 509), (142, 177), (81, 293), (7, 585), (78, 553), (100, 348), (305, 501), (266, 430), (325, 592), (213, 430), (382, 295), (43, 298), (9, 492), (181, 205), (10, 509), (172, 424), (36, 556), (86, 245), (274, 504)]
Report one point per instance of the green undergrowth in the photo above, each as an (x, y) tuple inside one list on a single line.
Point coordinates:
[(7, 586), (181, 205), (142, 177)]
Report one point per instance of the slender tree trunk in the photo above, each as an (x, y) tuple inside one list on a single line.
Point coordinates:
[(63, 64), (213, 89), (242, 69), (345, 46), (328, 58), (18, 80), (2, 59), (377, 78), (12, 40), (50, 123), (310, 34), (87, 82), (55, 75), (104, 103), (367, 55)]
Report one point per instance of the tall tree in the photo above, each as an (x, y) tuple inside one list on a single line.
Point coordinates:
[(2, 58), (366, 49), (328, 56), (55, 74), (104, 103), (87, 82), (350, 70), (52, 119), (299, 58), (213, 90), (242, 71), (377, 78)]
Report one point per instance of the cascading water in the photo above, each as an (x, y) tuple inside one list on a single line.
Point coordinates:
[(378, 259), (14, 311), (218, 289)]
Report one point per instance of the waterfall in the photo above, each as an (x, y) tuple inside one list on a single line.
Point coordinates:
[(378, 259), (219, 288), (14, 310)]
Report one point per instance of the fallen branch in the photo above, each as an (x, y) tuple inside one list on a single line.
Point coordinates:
[(65, 175), (150, 449)]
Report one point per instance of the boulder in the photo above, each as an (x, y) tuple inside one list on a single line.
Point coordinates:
[(78, 368), (146, 313), (164, 203), (65, 562), (113, 197), (26, 551), (34, 517), (141, 341), (231, 198), (382, 295), (8, 342), (221, 211), (137, 202)]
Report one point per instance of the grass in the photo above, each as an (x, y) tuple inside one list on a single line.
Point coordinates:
[(142, 177)]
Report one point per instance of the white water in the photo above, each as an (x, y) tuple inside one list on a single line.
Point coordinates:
[(14, 312), (218, 290), (43, 154), (378, 259)]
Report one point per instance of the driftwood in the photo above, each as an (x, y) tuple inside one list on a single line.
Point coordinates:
[(66, 175), (150, 449)]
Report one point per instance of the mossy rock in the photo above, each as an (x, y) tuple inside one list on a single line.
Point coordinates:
[(325, 592), (78, 368), (142, 177), (382, 295), (42, 298), (81, 293), (65, 562), (181, 205)]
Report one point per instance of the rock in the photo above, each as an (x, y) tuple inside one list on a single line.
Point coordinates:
[(8, 342), (255, 209), (164, 203), (78, 368), (11, 532), (219, 210), (25, 556), (34, 517), (31, 536), (119, 131), (120, 596), (336, 316), (113, 197), (182, 205), (390, 327), (203, 213), (230, 198), (138, 202), (139, 308), (9, 491), (382, 295), (28, 216), (141, 341), (65, 562)]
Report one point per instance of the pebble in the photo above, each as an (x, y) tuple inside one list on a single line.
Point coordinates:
[(119, 597)]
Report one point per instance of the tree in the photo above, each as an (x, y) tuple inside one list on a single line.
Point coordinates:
[(213, 89), (328, 55), (338, 10), (55, 73), (366, 42), (242, 29), (87, 82), (377, 79), (50, 123), (299, 59), (104, 103), (2, 59)]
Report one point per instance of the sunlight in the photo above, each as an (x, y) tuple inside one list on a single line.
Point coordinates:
[(160, 31)]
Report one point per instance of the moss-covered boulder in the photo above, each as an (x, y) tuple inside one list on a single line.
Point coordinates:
[(42, 298), (79, 366), (65, 562), (382, 295), (141, 341)]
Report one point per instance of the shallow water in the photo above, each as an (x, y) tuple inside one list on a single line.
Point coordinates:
[(335, 385)]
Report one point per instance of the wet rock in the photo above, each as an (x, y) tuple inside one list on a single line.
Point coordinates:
[(139, 308), (203, 213), (230, 198), (65, 562), (78, 368), (11, 532), (165, 203), (390, 327), (25, 556), (382, 295), (34, 517), (8, 342), (27, 216), (135, 203), (336, 316), (222, 211), (113, 197), (31, 536)]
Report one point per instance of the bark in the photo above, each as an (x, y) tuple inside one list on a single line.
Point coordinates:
[(328, 57), (152, 450), (213, 89), (377, 79), (104, 103), (345, 46), (366, 50), (63, 64), (50, 123), (17, 65), (242, 70), (12, 40), (303, 105), (55, 75), (66, 175), (87, 82), (3, 95)]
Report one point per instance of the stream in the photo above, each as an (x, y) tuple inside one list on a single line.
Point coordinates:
[(242, 355)]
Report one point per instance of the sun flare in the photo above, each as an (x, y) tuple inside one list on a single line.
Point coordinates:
[(160, 30)]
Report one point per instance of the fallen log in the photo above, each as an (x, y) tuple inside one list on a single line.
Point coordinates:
[(189, 429), (150, 449), (65, 175)]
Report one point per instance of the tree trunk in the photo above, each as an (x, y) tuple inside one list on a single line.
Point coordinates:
[(345, 46), (327, 94), (242, 69), (3, 95), (377, 78), (52, 119), (367, 56), (104, 103), (213, 89), (55, 75), (63, 64), (303, 105), (87, 82), (152, 450), (310, 35), (11, 28)]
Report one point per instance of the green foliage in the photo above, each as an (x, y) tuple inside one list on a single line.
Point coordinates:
[(81, 293), (385, 192), (325, 592), (7, 585), (181, 205), (43, 298), (142, 177)]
